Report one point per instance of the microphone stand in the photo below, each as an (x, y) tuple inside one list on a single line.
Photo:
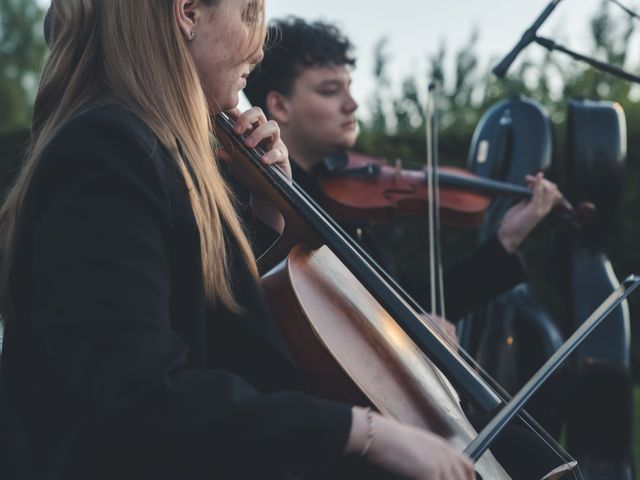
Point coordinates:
[(597, 64), (530, 36)]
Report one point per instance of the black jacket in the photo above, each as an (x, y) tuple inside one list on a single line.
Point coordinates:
[(114, 366)]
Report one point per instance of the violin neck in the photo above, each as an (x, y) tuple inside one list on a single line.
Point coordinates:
[(492, 188)]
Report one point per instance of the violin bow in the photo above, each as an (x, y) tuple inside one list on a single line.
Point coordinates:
[(511, 409), (433, 186), (482, 443)]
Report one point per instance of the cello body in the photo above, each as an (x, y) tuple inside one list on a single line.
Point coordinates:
[(512, 336), (352, 350), (600, 371)]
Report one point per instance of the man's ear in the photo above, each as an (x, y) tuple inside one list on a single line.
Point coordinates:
[(278, 107), (185, 13)]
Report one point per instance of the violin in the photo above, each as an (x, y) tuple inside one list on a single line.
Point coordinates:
[(353, 332), (356, 187)]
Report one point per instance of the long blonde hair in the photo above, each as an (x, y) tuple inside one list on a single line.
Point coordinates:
[(134, 50)]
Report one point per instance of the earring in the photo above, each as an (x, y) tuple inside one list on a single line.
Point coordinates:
[(193, 34)]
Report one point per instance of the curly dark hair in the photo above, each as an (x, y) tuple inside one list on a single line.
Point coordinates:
[(294, 45)]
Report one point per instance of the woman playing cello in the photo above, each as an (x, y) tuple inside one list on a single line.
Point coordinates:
[(304, 83), (138, 345)]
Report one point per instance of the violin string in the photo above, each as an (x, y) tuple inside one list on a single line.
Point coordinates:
[(276, 175)]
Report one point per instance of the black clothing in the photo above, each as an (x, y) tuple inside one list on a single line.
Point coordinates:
[(484, 275), (114, 365)]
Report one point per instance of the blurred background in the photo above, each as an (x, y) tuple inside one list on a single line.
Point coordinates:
[(402, 46)]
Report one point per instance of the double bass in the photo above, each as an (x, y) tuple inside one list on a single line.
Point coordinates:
[(362, 339)]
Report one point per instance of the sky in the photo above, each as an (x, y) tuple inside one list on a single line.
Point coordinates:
[(416, 28)]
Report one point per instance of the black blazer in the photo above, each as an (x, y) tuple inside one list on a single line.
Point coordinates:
[(114, 366)]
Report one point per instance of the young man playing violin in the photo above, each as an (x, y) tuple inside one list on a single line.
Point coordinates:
[(304, 84)]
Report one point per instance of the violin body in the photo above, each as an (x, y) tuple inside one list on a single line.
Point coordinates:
[(369, 189)]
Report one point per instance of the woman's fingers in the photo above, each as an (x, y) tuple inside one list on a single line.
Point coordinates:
[(275, 156), (249, 120), (468, 472), (235, 113), (259, 131), (269, 131)]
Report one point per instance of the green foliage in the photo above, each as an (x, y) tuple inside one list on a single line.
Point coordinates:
[(21, 52), (381, 61)]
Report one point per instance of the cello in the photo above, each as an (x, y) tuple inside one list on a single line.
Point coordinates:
[(374, 351)]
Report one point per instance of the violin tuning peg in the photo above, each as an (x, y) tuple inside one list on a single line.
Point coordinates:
[(586, 213)]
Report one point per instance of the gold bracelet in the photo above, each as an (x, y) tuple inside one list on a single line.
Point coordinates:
[(370, 433)]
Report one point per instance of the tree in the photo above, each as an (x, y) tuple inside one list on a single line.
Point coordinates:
[(21, 52)]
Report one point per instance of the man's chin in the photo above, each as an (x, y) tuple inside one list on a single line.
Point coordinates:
[(347, 142)]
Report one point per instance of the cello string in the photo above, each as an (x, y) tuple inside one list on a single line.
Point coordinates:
[(277, 176), (426, 319), (499, 207), (524, 417)]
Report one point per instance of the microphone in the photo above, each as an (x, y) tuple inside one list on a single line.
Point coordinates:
[(529, 36)]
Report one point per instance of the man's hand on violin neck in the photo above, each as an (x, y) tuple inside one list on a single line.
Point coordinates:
[(520, 220)]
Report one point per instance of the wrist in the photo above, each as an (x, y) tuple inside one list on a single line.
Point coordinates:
[(507, 240), (266, 212), (362, 431)]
